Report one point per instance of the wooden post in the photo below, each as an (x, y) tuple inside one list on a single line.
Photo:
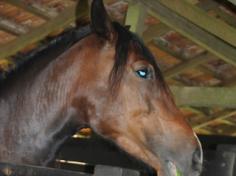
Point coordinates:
[(136, 18)]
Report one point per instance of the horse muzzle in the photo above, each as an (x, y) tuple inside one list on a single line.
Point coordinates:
[(185, 161), (193, 169)]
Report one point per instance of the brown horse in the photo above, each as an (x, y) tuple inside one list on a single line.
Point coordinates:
[(108, 80)]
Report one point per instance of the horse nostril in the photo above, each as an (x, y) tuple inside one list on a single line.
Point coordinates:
[(197, 159)]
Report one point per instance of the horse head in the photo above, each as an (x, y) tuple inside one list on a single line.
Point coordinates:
[(123, 97)]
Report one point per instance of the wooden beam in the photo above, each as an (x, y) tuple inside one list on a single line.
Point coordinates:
[(205, 96), (186, 64), (203, 132), (222, 116), (63, 20), (232, 1), (9, 169), (216, 8), (154, 31), (210, 42), (12, 27), (34, 8), (191, 63), (136, 17), (202, 19), (229, 83)]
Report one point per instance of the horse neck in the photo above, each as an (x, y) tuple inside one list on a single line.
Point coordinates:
[(50, 113), (51, 90), (42, 115)]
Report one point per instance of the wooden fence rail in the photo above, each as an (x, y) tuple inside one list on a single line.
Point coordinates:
[(7, 169)]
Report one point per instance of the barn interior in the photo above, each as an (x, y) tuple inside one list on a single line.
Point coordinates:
[(194, 42)]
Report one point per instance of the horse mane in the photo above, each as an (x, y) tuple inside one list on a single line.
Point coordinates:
[(125, 43)]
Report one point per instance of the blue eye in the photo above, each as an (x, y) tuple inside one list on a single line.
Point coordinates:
[(144, 73)]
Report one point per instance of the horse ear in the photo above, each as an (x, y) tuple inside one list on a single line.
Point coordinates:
[(100, 21)]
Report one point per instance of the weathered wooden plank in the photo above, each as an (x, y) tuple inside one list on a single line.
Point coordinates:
[(200, 18), (216, 8), (203, 58), (190, 63), (34, 8), (83, 17), (222, 116), (205, 96), (193, 1), (154, 31), (12, 27), (64, 19), (186, 64), (232, 1), (229, 83), (135, 18), (114, 171), (7, 169), (203, 38)]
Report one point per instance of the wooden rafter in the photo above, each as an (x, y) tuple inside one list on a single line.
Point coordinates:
[(210, 5), (222, 116), (35, 35), (135, 18), (232, 1), (190, 63), (12, 27), (63, 20), (205, 96), (154, 31), (198, 17), (192, 31), (203, 58), (34, 8)]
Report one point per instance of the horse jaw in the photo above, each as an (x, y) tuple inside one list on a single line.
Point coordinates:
[(144, 153)]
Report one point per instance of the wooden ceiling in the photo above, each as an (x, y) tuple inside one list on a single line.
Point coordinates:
[(194, 42)]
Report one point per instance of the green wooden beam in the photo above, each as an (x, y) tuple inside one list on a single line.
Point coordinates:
[(200, 18), (205, 96), (63, 20), (205, 39), (135, 18)]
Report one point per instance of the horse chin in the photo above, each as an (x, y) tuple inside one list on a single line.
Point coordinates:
[(169, 168), (173, 170), (162, 165), (165, 167), (147, 156)]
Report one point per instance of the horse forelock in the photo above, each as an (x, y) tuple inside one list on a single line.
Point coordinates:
[(126, 43)]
